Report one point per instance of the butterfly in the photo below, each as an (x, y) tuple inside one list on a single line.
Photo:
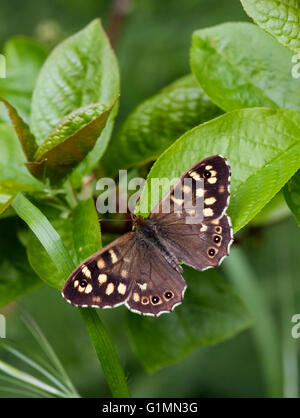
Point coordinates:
[(142, 269)]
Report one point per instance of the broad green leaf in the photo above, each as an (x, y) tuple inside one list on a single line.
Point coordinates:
[(16, 275), (71, 140), (210, 313), (279, 18), (262, 147), (155, 124), (274, 211), (24, 58), (80, 71), (26, 138), (292, 195), (239, 65)]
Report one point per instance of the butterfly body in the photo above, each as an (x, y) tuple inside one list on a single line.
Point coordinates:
[(141, 269), (149, 234)]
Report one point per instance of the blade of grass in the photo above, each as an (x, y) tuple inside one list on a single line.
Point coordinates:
[(33, 364), (22, 387), (61, 258), (265, 334), (48, 350), (30, 380)]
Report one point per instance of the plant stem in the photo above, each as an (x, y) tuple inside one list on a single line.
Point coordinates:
[(106, 353)]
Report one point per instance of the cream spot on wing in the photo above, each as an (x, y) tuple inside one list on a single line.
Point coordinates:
[(100, 264), (76, 283), (124, 273), (96, 299), (208, 212), (88, 289), (203, 228), (213, 173), (212, 180), (215, 222), (210, 201), (191, 212), (85, 270), (113, 256), (136, 297), (102, 278), (208, 167), (186, 189), (177, 201), (122, 288), (142, 286), (195, 175), (109, 289), (200, 192), (81, 289), (221, 189)]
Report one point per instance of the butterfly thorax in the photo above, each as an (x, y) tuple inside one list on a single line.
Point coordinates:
[(149, 234)]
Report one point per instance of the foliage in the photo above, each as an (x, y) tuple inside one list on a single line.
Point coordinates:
[(48, 149)]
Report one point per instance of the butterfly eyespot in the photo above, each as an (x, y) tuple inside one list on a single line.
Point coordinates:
[(168, 295), (217, 239), (207, 174), (155, 300), (218, 229), (83, 283), (211, 252), (145, 300)]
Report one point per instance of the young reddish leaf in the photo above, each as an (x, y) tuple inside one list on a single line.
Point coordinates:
[(70, 141)]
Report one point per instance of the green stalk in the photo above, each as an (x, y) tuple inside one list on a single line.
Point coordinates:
[(52, 243)]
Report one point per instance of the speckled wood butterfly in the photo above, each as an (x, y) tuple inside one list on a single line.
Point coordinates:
[(143, 268)]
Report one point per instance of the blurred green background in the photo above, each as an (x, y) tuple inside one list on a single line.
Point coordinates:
[(152, 43)]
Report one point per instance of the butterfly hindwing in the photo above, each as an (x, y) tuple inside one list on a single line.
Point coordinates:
[(157, 287)]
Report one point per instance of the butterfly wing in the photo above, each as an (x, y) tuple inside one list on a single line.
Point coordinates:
[(157, 287), (202, 244), (126, 271), (105, 278)]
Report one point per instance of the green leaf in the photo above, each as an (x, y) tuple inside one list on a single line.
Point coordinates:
[(239, 65), (80, 71), (211, 313), (26, 138), (71, 140), (16, 275), (292, 195), (262, 147), (279, 18), (24, 58), (274, 211), (155, 124)]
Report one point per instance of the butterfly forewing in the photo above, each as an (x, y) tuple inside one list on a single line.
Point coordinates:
[(105, 278), (206, 242)]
